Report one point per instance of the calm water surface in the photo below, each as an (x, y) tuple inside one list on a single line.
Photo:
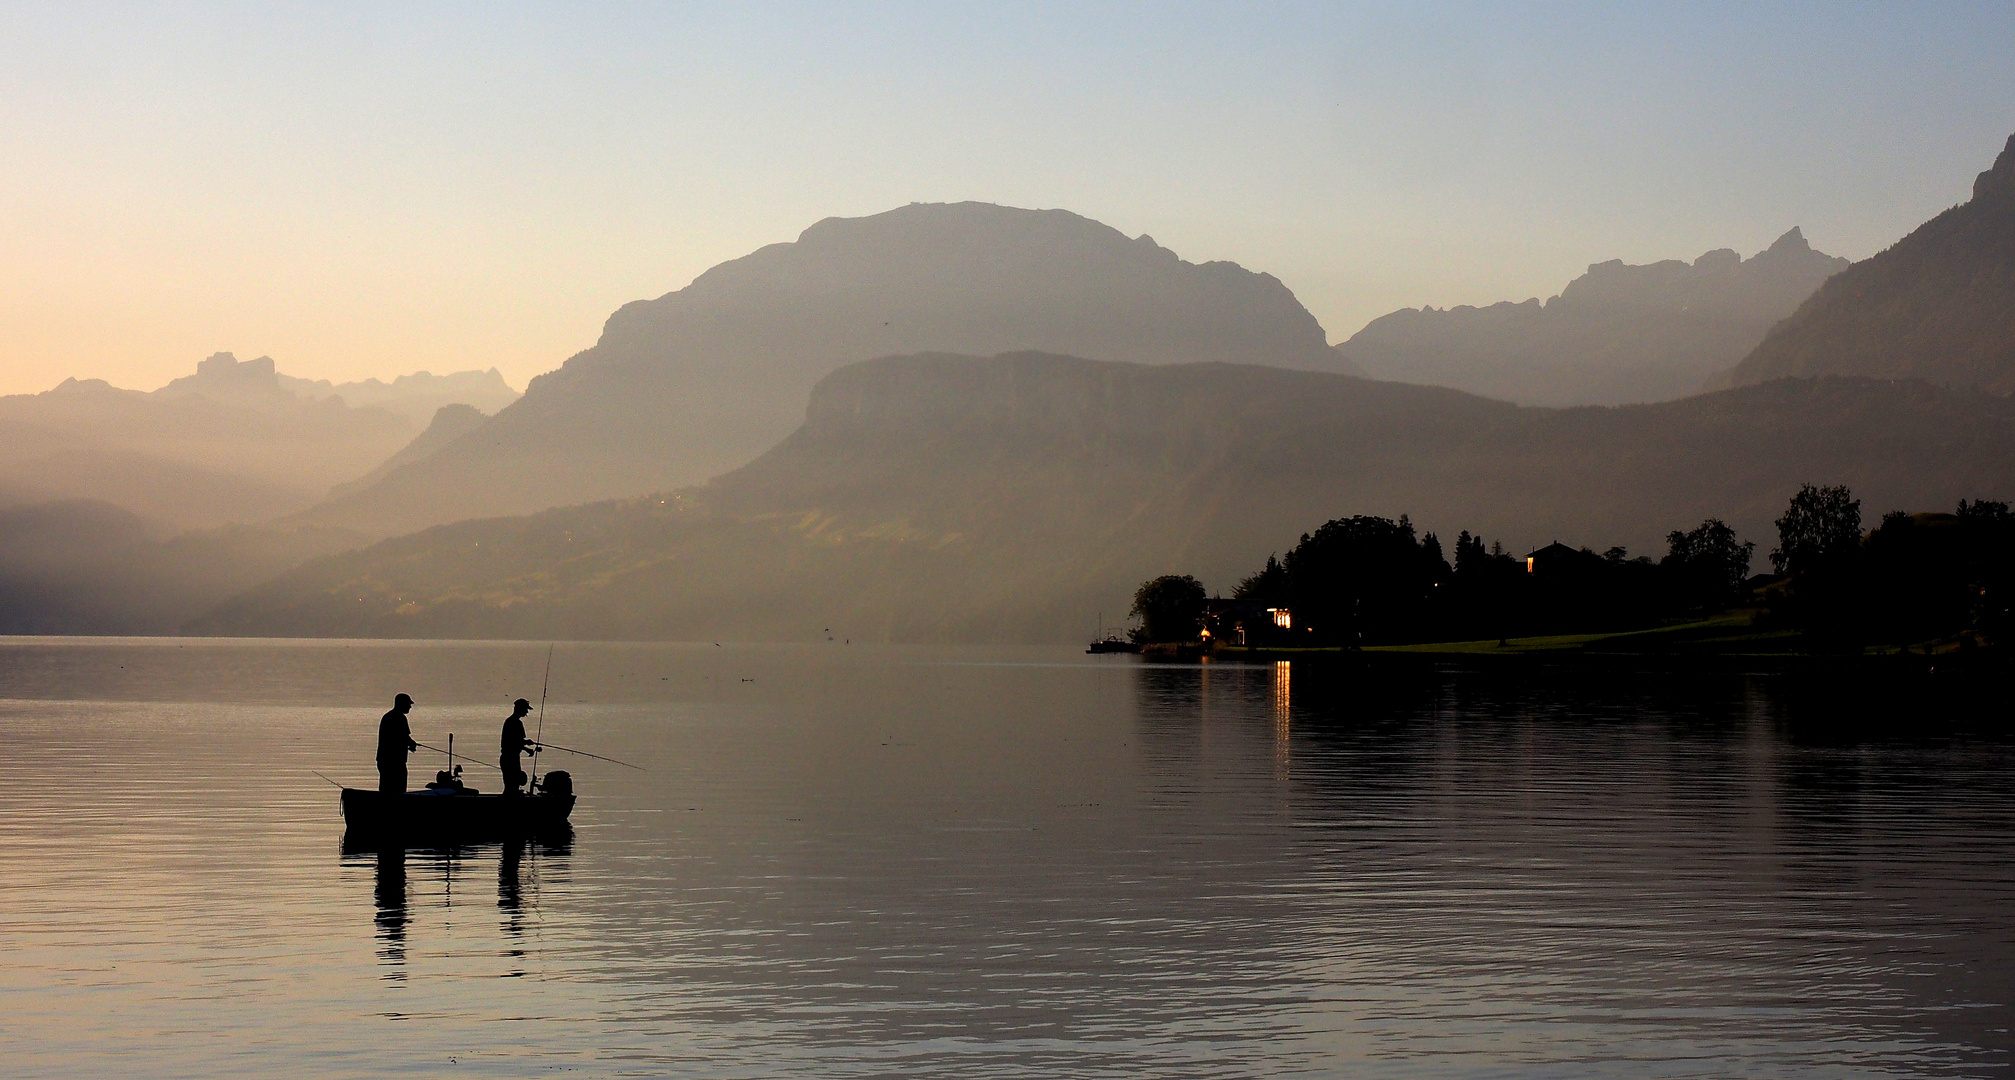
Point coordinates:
[(869, 862)]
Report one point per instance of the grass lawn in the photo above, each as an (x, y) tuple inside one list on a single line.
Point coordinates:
[(1726, 634)]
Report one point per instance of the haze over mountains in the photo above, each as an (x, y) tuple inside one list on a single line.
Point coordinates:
[(418, 396), (1939, 304), (944, 496), (129, 512), (450, 423), (935, 494), (234, 442), (1010, 498), (187, 459), (83, 566), (1616, 335), (701, 380)]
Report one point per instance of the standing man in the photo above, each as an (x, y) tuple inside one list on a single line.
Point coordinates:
[(395, 741), (513, 745)]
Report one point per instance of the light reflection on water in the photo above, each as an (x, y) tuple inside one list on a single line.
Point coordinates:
[(869, 862)]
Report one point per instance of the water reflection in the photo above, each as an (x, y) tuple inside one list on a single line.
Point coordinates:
[(1283, 718), (984, 869), (389, 894), (522, 868), (522, 864), (1634, 846)]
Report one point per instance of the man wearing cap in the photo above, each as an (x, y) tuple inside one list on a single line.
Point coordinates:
[(514, 744), (395, 741)]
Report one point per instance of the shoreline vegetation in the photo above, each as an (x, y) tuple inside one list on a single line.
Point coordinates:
[(1920, 592)]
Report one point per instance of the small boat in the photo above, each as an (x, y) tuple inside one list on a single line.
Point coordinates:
[(445, 808), (1112, 643)]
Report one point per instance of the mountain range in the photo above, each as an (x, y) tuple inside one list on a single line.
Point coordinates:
[(938, 494), (1616, 335), (1009, 498), (124, 511), (699, 381), (235, 442), (417, 397), (1938, 304)]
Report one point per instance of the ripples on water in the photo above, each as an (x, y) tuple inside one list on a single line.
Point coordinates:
[(852, 862)]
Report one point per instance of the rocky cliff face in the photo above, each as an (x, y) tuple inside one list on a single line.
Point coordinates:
[(224, 377), (1615, 335), (1938, 305), (703, 379)]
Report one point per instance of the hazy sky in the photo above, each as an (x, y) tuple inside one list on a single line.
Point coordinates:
[(369, 190)]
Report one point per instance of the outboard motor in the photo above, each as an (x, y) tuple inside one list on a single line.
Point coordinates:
[(557, 783)]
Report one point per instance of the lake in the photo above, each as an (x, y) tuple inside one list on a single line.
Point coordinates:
[(846, 861)]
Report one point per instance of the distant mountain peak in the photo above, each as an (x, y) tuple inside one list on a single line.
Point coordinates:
[(705, 378), (223, 365), (75, 385), (1998, 181), (1790, 243), (1618, 333), (984, 247), (1938, 304), (224, 373)]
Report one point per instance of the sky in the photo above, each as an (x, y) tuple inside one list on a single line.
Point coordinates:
[(367, 190)]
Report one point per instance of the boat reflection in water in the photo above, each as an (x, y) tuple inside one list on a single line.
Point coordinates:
[(409, 883)]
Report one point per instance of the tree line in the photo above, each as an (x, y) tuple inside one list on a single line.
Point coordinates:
[(1366, 580)]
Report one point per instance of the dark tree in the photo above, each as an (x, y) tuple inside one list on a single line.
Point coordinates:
[(1363, 580), (1170, 608), (1989, 531), (1707, 565), (1269, 584), (1470, 556), (1430, 552), (1820, 527), (1985, 511), (1912, 581)]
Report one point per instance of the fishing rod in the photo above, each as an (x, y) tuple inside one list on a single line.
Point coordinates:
[(324, 776), (534, 784), (584, 753), (452, 755)]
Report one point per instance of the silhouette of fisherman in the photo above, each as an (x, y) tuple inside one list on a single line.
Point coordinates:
[(513, 745), (395, 741)]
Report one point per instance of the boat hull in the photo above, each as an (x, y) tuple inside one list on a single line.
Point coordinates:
[(454, 814)]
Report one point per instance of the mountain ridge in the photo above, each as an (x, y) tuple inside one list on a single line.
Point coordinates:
[(939, 497), (705, 378), (1939, 304), (1618, 334)]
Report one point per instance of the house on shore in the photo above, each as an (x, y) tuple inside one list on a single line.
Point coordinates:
[(1247, 622)]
